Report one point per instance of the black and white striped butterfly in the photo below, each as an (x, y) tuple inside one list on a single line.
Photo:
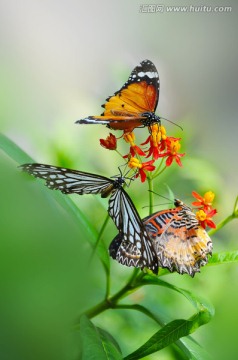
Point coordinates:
[(135, 248)]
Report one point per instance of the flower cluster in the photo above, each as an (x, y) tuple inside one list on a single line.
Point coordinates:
[(160, 146), (157, 146), (205, 211)]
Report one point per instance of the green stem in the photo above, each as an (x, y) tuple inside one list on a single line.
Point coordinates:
[(143, 310), (99, 236), (222, 224), (118, 152), (151, 195), (110, 302), (229, 218), (158, 173), (235, 209)]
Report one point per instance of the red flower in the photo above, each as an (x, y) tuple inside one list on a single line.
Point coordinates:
[(142, 167), (109, 143), (134, 149), (204, 217), (173, 147)]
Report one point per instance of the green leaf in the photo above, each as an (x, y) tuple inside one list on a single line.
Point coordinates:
[(13, 151), (97, 344), (109, 341), (18, 155), (176, 329), (225, 257), (169, 334), (193, 350), (188, 346)]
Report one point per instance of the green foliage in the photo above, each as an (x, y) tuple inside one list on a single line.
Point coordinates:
[(96, 343)]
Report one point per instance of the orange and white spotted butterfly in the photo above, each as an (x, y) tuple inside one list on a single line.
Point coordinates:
[(134, 104), (180, 242)]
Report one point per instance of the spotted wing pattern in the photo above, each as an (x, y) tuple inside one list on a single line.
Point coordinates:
[(72, 181), (134, 104), (180, 242), (132, 246)]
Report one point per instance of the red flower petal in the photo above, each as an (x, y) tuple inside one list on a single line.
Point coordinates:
[(138, 151), (212, 212), (169, 160), (196, 203), (146, 141), (197, 196), (211, 224), (178, 161), (142, 175)]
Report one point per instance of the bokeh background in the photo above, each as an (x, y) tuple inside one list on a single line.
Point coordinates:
[(59, 61)]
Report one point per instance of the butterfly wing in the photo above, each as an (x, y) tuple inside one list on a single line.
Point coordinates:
[(181, 244), (141, 91), (124, 110), (70, 181), (132, 246)]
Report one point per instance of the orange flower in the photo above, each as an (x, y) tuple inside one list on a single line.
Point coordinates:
[(204, 217), (203, 201), (173, 146), (134, 149), (134, 163), (109, 143)]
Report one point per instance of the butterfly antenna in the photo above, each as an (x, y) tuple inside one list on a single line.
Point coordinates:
[(152, 191), (172, 122), (130, 178), (146, 206), (164, 197)]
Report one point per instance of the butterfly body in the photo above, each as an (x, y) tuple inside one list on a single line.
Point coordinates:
[(180, 242), (134, 104), (132, 246)]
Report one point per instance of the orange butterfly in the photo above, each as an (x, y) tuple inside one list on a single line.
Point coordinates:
[(134, 104)]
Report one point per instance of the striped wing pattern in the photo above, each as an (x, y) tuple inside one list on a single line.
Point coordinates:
[(180, 242), (71, 181), (132, 246)]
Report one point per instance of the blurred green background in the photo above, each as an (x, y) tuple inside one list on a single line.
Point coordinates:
[(59, 61)]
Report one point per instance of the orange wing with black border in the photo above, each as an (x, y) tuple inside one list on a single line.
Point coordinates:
[(134, 104)]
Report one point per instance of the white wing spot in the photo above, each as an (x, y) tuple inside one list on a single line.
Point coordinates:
[(150, 74), (138, 245), (131, 238)]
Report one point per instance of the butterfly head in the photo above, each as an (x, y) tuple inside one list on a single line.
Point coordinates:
[(178, 202), (150, 118), (119, 182)]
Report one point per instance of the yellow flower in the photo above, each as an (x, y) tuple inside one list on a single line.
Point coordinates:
[(201, 215), (208, 197), (134, 163)]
